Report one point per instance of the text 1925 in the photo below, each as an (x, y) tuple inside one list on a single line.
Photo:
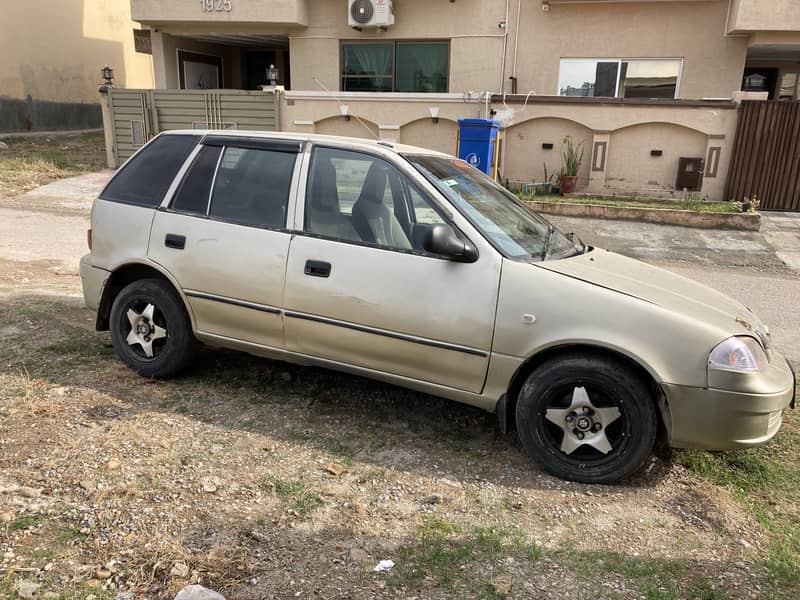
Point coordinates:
[(216, 5)]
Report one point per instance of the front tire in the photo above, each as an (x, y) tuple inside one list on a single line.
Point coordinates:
[(587, 418), (150, 329)]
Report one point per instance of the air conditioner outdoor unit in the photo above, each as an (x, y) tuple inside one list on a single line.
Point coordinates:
[(370, 13)]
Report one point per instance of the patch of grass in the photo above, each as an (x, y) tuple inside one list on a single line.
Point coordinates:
[(29, 162), (766, 481), (26, 522), (297, 497), (657, 579), (76, 341), (689, 203), (454, 557)]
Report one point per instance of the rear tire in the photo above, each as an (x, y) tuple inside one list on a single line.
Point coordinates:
[(151, 330), (587, 418)]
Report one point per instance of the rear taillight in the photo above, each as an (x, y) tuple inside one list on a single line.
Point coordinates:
[(89, 239)]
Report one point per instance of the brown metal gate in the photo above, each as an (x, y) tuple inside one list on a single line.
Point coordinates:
[(766, 155)]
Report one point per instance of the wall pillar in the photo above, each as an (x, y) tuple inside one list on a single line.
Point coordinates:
[(108, 126), (713, 180), (389, 133), (597, 156), (159, 60)]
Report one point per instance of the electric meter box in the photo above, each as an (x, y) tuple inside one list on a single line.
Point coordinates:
[(476, 142)]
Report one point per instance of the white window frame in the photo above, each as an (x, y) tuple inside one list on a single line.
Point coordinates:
[(619, 62)]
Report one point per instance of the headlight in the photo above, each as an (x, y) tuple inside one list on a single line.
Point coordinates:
[(741, 354)]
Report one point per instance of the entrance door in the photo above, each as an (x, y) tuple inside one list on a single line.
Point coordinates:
[(224, 237), (361, 290)]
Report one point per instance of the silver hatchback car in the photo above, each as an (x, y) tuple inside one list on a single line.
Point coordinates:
[(412, 267)]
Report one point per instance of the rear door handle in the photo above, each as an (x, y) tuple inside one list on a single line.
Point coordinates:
[(317, 268), (178, 242)]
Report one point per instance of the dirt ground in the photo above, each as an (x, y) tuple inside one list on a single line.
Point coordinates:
[(261, 479), (266, 480), (31, 161)]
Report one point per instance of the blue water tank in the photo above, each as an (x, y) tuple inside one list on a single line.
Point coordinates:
[(476, 140)]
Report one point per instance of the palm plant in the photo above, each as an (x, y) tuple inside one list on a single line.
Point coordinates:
[(571, 157)]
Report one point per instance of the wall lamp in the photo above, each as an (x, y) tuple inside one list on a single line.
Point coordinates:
[(345, 110), (108, 74), (434, 110)]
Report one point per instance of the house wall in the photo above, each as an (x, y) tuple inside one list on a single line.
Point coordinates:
[(476, 41), (51, 54), (626, 131), (693, 31)]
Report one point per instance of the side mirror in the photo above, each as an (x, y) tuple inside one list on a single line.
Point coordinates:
[(443, 239)]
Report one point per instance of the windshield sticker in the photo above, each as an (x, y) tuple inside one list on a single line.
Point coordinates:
[(452, 182)]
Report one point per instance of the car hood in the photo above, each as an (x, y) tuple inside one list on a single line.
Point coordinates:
[(658, 286)]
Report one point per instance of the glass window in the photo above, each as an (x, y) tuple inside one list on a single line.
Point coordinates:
[(361, 198), (509, 225), (395, 66), (588, 78), (421, 67), (649, 78), (147, 176), (367, 67), (193, 194), (621, 78), (252, 187)]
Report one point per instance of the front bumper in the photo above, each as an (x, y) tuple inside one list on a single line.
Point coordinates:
[(93, 280), (713, 419)]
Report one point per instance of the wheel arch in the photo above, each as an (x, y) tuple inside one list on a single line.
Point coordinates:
[(506, 406), (122, 276)]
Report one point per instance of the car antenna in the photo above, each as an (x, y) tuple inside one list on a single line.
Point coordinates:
[(320, 84)]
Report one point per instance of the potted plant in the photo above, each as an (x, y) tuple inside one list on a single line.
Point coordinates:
[(571, 159)]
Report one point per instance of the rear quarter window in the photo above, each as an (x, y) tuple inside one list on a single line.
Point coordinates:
[(145, 179)]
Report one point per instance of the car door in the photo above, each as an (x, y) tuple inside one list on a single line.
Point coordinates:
[(223, 236), (361, 291)]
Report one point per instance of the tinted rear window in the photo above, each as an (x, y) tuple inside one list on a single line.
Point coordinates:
[(145, 179)]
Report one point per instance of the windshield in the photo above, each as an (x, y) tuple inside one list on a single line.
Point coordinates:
[(504, 220)]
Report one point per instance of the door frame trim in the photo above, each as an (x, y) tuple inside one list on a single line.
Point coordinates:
[(233, 301), (390, 334)]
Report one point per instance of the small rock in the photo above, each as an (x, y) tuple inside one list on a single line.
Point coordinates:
[(27, 588), (335, 469), (198, 592), (125, 596), (61, 390), (87, 485), (358, 555), (113, 464), (3, 146), (102, 574), (745, 544), (434, 499), (180, 570), (210, 484), (287, 377)]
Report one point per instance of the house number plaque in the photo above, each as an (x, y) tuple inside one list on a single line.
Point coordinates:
[(216, 5)]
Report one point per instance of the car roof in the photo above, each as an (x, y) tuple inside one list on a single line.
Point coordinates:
[(314, 138)]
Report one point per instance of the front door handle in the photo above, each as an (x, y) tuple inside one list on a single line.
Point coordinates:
[(178, 242), (317, 268)]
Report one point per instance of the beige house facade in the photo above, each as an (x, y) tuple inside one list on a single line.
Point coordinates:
[(639, 83), (51, 54)]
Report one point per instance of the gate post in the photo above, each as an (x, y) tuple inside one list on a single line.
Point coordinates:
[(108, 125)]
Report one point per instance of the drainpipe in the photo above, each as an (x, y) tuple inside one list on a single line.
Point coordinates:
[(505, 50), (516, 41)]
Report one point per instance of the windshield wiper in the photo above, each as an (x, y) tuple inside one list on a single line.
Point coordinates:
[(546, 250)]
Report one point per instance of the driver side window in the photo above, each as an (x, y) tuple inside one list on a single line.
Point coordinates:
[(357, 197)]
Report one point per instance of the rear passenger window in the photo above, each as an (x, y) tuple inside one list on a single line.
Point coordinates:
[(195, 190), (145, 179), (252, 187)]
